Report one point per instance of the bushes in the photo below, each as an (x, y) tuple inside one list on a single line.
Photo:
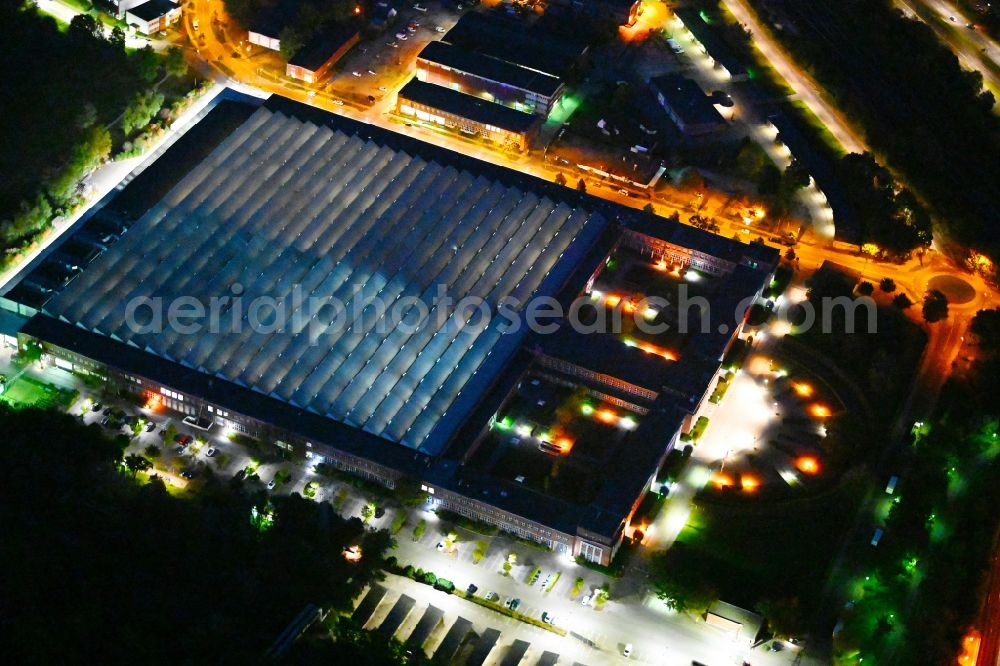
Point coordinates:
[(697, 431), (419, 530), (398, 522), (480, 552), (468, 523), (577, 586)]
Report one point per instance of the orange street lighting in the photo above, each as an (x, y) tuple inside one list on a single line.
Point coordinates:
[(661, 265), (721, 479), (819, 411), (153, 402), (803, 389), (607, 416), (807, 464), (565, 444), (613, 300), (749, 483), (352, 554)]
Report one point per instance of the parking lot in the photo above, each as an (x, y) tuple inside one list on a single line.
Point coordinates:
[(376, 68)]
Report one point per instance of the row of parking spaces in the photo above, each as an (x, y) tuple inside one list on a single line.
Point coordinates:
[(446, 641)]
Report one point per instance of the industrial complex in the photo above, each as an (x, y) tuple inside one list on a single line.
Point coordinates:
[(553, 433)]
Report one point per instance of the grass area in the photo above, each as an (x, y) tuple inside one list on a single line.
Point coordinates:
[(555, 579), (28, 392), (755, 552), (500, 608)]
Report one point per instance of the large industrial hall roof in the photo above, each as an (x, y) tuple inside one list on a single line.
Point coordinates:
[(285, 205)]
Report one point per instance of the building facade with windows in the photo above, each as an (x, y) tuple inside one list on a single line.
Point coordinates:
[(153, 16), (467, 114), (380, 404), (490, 78)]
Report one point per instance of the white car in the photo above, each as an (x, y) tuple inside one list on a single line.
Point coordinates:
[(438, 28), (357, 74), (401, 36), (338, 102), (586, 600), (383, 89), (440, 546), (211, 451), (627, 652), (419, 7)]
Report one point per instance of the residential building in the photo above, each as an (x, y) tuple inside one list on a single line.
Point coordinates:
[(153, 16), (687, 105)]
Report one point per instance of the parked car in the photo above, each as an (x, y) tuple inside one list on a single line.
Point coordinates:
[(97, 407), (338, 102), (107, 411), (419, 7), (492, 596), (150, 427), (586, 600), (439, 546), (472, 589), (272, 484), (548, 619), (627, 652), (401, 36), (438, 28), (514, 603), (240, 474), (379, 512), (211, 451)]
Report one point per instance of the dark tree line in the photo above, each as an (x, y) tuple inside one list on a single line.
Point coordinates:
[(61, 91), (98, 567)]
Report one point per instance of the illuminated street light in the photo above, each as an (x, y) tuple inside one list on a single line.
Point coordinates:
[(352, 554)]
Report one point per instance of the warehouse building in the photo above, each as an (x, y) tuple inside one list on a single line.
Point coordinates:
[(153, 16), (313, 61), (469, 115), (491, 78), (265, 212)]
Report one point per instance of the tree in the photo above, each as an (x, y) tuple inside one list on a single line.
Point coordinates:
[(888, 285), (935, 306), (866, 288), (769, 180), (902, 301), (581, 186), (784, 616), (648, 208), (560, 179), (117, 37), (136, 463), (152, 451), (367, 511), (146, 63), (419, 529), (87, 116), (682, 579), (986, 327), (480, 552), (408, 491), (141, 109), (291, 42), (85, 27), (174, 62), (795, 177)]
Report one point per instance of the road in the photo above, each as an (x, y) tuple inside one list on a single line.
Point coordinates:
[(973, 47), (804, 85), (989, 616)]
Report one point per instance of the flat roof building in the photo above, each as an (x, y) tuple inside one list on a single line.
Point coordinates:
[(313, 61), (152, 16), (530, 46), (491, 78), (266, 274), (467, 114), (687, 105)]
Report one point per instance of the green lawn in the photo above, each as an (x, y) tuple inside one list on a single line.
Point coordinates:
[(28, 392), (753, 552)]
